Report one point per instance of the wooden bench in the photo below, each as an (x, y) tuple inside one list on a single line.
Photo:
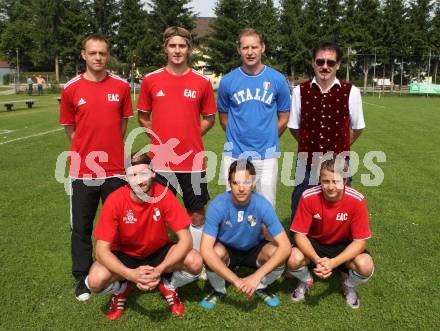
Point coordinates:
[(9, 104)]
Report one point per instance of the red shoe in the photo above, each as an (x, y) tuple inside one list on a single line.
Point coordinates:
[(176, 307), (118, 304)]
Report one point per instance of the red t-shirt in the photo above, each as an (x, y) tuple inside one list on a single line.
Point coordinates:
[(176, 103), (96, 109), (332, 222), (138, 229)]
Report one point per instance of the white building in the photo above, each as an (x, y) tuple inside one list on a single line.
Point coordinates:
[(5, 68)]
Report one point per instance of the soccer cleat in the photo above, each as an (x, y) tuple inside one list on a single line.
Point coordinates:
[(351, 296), (176, 307), (82, 293), (299, 294), (118, 303), (269, 299), (211, 300)]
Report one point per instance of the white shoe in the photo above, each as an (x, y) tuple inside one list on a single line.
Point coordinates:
[(82, 293), (203, 275), (351, 296), (299, 294)]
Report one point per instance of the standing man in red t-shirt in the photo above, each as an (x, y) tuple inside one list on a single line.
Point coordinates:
[(331, 231), (40, 84), (95, 107), (177, 105), (133, 244)]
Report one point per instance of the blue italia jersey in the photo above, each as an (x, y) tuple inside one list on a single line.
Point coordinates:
[(252, 103), (240, 227)]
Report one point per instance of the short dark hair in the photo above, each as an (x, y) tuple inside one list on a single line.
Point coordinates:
[(241, 165), (325, 45), (136, 159), (94, 36)]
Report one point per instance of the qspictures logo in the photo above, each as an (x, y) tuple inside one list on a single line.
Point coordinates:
[(293, 167)]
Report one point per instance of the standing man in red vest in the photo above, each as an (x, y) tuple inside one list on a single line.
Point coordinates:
[(326, 116)]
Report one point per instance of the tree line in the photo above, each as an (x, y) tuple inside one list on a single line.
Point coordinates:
[(47, 34), (390, 36), (385, 35)]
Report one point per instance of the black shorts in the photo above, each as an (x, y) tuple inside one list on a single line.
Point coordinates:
[(330, 251), (247, 258), (193, 184), (153, 260)]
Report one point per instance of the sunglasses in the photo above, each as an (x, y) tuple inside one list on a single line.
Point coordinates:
[(321, 62)]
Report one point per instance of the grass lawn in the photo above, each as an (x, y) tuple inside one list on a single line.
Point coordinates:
[(37, 288)]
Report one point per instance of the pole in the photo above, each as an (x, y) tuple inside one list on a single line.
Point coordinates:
[(383, 80), (17, 84), (436, 68), (133, 86), (374, 69), (429, 64), (57, 69), (401, 75), (347, 76)]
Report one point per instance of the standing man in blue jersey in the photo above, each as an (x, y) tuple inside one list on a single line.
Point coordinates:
[(232, 238), (254, 105)]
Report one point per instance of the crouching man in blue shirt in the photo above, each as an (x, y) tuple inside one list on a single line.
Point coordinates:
[(232, 237)]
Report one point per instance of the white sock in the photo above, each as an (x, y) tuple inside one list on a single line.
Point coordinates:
[(179, 279), (354, 279), (303, 274), (217, 283), (271, 277), (196, 233), (122, 287)]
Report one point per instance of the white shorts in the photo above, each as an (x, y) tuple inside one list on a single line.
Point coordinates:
[(267, 175)]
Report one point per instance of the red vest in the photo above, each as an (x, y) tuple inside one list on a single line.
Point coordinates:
[(325, 119)]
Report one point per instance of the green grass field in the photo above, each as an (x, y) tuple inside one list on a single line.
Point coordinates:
[(37, 288)]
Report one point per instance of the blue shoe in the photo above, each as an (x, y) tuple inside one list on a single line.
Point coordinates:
[(211, 300), (269, 299)]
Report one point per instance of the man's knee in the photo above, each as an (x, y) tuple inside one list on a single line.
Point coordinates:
[(364, 265), (296, 259), (98, 277), (82, 224), (267, 252), (193, 262)]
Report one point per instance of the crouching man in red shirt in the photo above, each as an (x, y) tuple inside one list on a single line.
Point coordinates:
[(330, 231), (133, 245)]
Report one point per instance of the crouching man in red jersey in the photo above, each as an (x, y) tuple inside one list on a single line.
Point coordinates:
[(133, 245), (330, 231)]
